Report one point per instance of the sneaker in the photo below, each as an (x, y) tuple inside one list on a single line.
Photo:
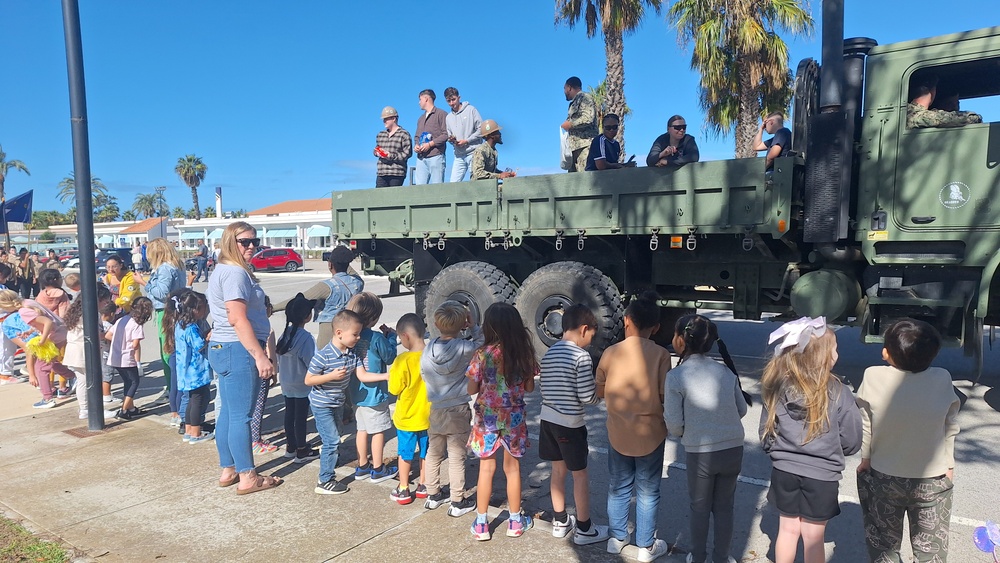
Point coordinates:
[(562, 529), (205, 436), (595, 534), (516, 528), (387, 472), (44, 404), (186, 438), (175, 421), (420, 491), (110, 414), (289, 454), (402, 497), (653, 552), (63, 393), (436, 500), (481, 530), (263, 447), (615, 545), (123, 415), (83, 415), (462, 507), (363, 472), (305, 456), (110, 399), (331, 487)]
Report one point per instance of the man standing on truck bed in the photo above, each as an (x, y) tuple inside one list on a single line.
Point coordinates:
[(581, 122), (393, 149), (463, 132), (923, 90), (776, 146), (484, 159), (430, 141)]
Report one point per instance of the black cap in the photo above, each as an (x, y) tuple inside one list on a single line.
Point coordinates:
[(341, 255)]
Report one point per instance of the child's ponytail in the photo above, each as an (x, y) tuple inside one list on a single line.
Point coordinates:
[(297, 312), (699, 333)]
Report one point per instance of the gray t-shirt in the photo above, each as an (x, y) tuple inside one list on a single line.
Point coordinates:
[(230, 283)]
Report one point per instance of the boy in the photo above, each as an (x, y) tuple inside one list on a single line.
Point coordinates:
[(329, 375), (443, 366), (909, 414), (567, 384), (72, 282), (7, 348), (412, 416)]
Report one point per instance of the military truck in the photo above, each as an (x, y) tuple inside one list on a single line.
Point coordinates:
[(866, 222)]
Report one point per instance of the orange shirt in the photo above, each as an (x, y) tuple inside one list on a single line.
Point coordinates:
[(631, 376)]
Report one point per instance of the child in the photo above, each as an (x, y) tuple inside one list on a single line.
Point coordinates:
[(262, 446), (72, 282), (109, 314), (501, 372), (412, 416), (809, 423), (371, 399), (442, 366), (909, 414), (7, 348), (329, 376), (567, 384), (41, 335), (75, 357), (53, 297), (126, 336), (630, 379), (295, 348), (187, 341), (703, 405)]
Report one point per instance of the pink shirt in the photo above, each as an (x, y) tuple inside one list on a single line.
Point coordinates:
[(31, 310), (123, 342)]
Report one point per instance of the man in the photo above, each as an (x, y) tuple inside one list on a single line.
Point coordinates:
[(484, 159), (463, 132), (430, 141), (776, 146), (675, 148), (393, 149), (923, 91), (581, 122), (605, 151), (201, 258)]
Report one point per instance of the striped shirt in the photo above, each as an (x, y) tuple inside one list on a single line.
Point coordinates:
[(331, 393), (567, 383)]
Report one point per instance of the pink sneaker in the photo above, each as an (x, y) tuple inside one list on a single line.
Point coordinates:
[(481, 530), (264, 447)]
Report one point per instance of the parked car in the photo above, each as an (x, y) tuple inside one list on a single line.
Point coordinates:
[(102, 258), (68, 255), (276, 259)]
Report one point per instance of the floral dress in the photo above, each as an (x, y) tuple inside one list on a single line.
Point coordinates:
[(499, 408)]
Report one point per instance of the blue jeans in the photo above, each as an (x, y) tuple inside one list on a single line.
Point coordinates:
[(239, 382), (202, 262), (430, 170), (461, 166), (328, 426), (642, 476)]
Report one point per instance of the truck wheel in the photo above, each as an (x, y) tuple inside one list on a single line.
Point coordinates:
[(668, 318), (547, 292), (476, 284)]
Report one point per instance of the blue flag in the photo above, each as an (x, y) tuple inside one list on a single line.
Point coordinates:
[(18, 209)]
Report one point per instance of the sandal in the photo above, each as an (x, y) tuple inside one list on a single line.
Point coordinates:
[(229, 482), (263, 483)]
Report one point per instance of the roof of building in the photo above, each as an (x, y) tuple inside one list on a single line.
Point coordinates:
[(295, 206), (143, 226)]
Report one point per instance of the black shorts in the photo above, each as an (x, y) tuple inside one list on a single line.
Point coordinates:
[(558, 443), (808, 498)]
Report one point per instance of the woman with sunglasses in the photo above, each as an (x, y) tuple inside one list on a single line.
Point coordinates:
[(674, 148), (236, 352)]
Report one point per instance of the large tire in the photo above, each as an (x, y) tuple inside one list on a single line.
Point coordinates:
[(552, 288), (476, 284)]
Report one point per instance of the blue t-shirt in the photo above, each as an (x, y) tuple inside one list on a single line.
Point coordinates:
[(783, 138), (331, 393), (229, 283), (292, 365), (603, 148), (191, 359), (377, 353), (15, 327)]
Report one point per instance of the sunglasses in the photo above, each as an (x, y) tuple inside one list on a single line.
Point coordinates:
[(246, 242), (679, 127)]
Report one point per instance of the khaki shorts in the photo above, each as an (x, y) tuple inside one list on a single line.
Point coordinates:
[(373, 419), (451, 420)]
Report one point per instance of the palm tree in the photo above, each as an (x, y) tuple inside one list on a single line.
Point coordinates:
[(192, 171), (146, 205), (600, 94), (129, 215), (7, 165), (742, 61), (67, 190), (178, 212), (616, 19)]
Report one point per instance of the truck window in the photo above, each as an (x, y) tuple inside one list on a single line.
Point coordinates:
[(968, 86)]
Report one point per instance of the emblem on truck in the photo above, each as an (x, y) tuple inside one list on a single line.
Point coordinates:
[(954, 195)]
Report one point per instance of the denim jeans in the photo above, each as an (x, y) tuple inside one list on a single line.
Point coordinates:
[(430, 170), (642, 476), (461, 167), (328, 426), (239, 382)]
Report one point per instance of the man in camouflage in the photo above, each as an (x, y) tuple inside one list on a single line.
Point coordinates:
[(581, 122), (918, 112), (484, 159)]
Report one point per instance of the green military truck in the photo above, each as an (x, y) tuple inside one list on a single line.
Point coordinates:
[(869, 221)]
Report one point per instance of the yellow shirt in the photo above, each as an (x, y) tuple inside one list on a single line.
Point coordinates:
[(413, 410)]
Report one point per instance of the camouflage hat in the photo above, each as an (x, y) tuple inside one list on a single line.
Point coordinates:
[(489, 127), (389, 111)]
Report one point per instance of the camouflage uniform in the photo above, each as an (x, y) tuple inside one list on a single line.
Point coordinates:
[(484, 163), (917, 116), (582, 116)]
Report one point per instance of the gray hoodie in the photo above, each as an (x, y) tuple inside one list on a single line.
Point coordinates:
[(464, 124), (823, 457), (443, 365), (703, 405)]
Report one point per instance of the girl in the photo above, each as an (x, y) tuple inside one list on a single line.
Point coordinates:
[(40, 334), (53, 297), (501, 372), (295, 349), (262, 446), (809, 423), (703, 405), (74, 358), (126, 336), (109, 315), (188, 342)]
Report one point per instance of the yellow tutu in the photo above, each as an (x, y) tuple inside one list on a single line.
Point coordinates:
[(45, 352)]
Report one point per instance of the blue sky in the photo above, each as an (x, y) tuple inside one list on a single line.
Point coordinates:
[(282, 100)]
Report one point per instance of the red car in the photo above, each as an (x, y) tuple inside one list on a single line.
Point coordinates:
[(276, 259)]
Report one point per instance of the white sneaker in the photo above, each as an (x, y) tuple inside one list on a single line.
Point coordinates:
[(616, 545), (83, 415), (653, 552), (595, 534), (689, 558), (562, 529)]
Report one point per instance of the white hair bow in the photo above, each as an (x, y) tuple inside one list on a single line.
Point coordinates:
[(797, 334)]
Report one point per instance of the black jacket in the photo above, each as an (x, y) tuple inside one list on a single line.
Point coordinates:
[(687, 151)]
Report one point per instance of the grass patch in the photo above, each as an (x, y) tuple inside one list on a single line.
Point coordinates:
[(19, 545)]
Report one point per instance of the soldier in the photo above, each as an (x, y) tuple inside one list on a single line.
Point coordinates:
[(393, 149), (484, 159), (581, 122), (923, 89), (776, 146)]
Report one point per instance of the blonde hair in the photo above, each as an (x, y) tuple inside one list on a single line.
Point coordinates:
[(368, 306), (807, 375), (230, 251), (450, 317), (71, 280), (10, 300), (159, 251)]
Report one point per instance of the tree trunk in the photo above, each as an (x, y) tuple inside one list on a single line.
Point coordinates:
[(194, 199), (747, 118), (2, 192), (615, 80)]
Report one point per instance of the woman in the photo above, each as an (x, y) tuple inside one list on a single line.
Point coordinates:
[(24, 269), (237, 354), (674, 148), (333, 294), (115, 268), (167, 276)]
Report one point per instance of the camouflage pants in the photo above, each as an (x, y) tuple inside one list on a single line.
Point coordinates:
[(580, 159), (886, 500)]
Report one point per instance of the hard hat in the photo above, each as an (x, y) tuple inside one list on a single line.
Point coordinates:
[(389, 111), (489, 126)]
